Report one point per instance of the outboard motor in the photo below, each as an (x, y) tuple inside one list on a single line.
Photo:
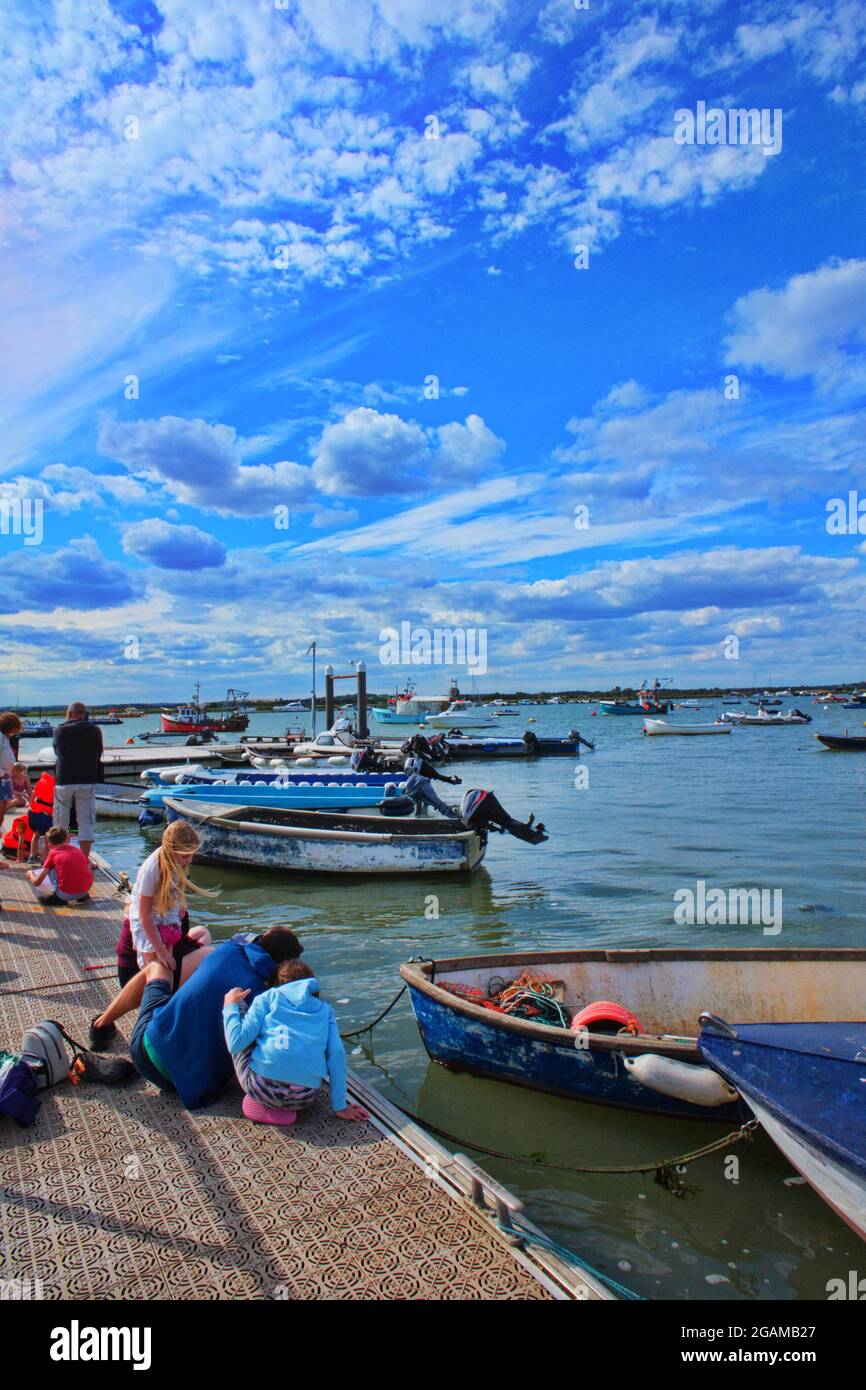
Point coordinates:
[(366, 760), (480, 810)]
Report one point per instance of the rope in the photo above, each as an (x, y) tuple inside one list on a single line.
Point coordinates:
[(356, 1032), (665, 1169), (531, 1238), (38, 989)]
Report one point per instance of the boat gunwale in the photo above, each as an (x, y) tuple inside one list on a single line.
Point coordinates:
[(417, 974), (221, 817)]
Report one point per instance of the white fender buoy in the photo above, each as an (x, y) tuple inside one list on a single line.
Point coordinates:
[(682, 1080), (338, 762), (305, 762)]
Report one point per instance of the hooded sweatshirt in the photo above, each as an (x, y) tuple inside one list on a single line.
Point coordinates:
[(186, 1034), (296, 1037)]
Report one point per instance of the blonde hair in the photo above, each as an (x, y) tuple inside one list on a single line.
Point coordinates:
[(178, 838)]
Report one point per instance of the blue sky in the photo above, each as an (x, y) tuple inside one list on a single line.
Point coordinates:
[(240, 207)]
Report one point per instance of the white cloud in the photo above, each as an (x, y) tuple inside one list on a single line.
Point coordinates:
[(369, 453), (814, 326)]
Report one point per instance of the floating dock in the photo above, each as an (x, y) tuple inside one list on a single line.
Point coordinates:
[(120, 1193), (130, 760)]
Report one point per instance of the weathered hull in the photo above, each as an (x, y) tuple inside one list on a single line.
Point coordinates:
[(307, 798), (667, 990), (303, 849), (118, 801)]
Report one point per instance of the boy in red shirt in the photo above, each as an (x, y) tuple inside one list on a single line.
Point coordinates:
[(66, 869)]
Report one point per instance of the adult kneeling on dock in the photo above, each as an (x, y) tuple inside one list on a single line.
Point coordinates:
[(178, 1041)]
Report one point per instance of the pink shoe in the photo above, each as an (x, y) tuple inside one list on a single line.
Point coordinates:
[(263, 1115)]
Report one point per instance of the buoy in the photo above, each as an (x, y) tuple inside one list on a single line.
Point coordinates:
[(682, 1080), (305, 762), (613, 1016)]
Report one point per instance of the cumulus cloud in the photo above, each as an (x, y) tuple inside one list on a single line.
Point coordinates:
[(368, 454), (171, 547), (201, 465), (815, 325), (76, 576)]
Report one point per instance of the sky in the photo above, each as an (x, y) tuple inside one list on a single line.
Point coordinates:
[(320, 317)]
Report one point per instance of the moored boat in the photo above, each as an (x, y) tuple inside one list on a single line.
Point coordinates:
[(655, 1066), (254, 837), (850, 743), (460, 714), (333, 796), (655, 727), (195, 719), (805, 1083), (118, 800)]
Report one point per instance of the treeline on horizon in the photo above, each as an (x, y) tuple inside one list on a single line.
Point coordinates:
[(265, 706)]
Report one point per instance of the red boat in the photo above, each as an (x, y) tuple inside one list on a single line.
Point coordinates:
[(194, 718)]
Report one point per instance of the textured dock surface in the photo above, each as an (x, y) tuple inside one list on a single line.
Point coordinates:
[(120, 1193)]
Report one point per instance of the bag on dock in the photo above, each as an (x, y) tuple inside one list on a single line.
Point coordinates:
[(43, 1048)]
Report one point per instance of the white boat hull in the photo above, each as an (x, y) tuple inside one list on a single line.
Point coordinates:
[(659, 727), (840, 1188)]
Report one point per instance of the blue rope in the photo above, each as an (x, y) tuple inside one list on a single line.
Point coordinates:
[(569, 1256)]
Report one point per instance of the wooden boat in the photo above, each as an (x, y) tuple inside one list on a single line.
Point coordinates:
[(321, 842), (850, 743), (805, 1083), (666, 990), (660, 726)]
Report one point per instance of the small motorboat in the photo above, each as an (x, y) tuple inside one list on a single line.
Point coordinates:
[(255, 837), (530, 746), (118, 800), (843, 743), (806, 1083), (460, 714), (632, 1037), (36, 728), (763, 720), (334, 795), (660, 726)]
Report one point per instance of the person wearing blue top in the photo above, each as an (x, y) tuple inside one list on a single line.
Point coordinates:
[(178, 1041), (283, 1045)]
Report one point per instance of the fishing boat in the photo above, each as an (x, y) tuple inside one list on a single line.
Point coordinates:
[(460, 714), (637, 1046), (647, 701), (118, 801), (805, 1083), (254, 837), (194, 718), (655, 727), (845, 743)]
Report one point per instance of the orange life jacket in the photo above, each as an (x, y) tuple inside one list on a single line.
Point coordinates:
[(43, 795), (18, 831)]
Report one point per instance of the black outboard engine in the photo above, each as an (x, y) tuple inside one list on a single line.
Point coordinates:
[(367, 760), (802, 715), (481, 810)]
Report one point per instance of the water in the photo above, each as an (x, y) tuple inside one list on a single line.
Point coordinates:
[(761, 808)]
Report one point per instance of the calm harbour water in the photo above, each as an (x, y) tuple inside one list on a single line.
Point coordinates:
[(762, 808)]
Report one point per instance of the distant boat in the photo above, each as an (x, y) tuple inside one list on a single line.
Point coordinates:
[(805, 1083), (36, 728), (195, 719), (111, 718), (639, 1048), (763, 720), (321, 842), (659, 726), (460, 714), (291, 707), (850, 743)]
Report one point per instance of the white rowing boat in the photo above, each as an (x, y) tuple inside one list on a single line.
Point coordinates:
[(660, 726)]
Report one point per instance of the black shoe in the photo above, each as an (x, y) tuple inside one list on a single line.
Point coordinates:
[(98, 1037)]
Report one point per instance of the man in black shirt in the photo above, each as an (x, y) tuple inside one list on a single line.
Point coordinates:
[(78, 746)]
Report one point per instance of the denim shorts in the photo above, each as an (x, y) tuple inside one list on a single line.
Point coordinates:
[(156, 994), (5, 788)]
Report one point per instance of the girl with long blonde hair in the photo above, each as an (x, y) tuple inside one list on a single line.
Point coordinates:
[(159, 896)]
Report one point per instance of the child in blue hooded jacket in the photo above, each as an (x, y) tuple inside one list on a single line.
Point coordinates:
[(283, 1046)]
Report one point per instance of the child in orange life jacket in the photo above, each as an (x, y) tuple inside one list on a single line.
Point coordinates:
[(16, 841), (40, 813)]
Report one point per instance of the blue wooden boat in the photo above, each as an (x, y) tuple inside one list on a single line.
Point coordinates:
[(806, 1083), (256, 837), (658, 1071)]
